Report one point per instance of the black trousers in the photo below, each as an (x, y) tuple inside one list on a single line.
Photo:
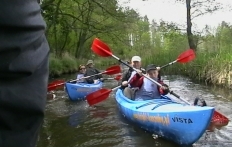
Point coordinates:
[(22, 106)]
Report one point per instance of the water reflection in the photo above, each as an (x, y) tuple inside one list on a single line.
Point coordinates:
[(72, 124)]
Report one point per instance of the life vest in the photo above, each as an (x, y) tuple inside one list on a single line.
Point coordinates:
[(130, 73), (148, 90)]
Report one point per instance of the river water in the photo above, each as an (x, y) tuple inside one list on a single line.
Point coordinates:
[(75, 124)]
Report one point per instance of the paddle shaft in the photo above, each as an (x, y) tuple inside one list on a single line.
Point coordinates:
[(109, 78), (87, 77), (115, 88), (168, 64), (93, 75), (177, 96)]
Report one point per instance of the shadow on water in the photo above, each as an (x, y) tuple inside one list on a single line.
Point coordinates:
[(75, 124)]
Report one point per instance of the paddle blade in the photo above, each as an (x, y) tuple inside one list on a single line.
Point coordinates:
[(113, 70), (118, 77), (219, 119), (55, 84), (100, 48), (186, 56), (98, 96)]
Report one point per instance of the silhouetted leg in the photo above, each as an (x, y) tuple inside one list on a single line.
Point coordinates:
[(22, 105)]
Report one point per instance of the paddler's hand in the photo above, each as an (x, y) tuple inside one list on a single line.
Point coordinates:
[(158, 68), (102, 79), (165, 88), (124, 83), (139, 72)]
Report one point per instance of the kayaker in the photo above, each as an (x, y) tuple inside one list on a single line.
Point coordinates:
[(146, 88), (24, 70), (136, 63), (126, 76), (80, 74), (90, 70)]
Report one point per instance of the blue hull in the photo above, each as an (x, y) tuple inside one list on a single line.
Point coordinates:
[(173, 121), (79, 91)]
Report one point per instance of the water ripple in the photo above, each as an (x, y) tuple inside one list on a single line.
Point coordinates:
[(75, 124)]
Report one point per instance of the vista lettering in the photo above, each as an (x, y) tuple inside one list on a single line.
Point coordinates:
[(182, 120)]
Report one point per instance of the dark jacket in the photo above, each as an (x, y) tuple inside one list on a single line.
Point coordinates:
[(92, 71), (22, 41), (23, 72)]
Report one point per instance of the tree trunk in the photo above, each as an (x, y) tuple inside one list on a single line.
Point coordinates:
[(62, 49), (55, 29), (80, 44), (192, 43)]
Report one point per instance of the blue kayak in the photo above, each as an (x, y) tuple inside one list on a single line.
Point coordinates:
[(180, 123), (78, 91)]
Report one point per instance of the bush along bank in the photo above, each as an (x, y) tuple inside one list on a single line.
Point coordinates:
[(211, 68), (64, 65), (68, 64)]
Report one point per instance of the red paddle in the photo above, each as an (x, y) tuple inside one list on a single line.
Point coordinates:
[(103, 50), (184, 57), (109, 71), (100, 95), (118, 77), (53, 85), (219, 119)]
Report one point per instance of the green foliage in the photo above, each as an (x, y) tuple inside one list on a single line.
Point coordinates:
[(69, 63), (66, 64), (56, 67), (72, 26), (214, 56)]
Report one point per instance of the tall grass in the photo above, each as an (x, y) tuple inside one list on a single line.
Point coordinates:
[(212, 67), (70, 64), (209, 67), (55, 66), (65, 64)]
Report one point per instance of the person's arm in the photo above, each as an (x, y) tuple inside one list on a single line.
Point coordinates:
[(124, 75), (164, 89), (98, 76), (136, 81)]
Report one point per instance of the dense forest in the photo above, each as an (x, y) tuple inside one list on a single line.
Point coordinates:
[(73, 24)]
